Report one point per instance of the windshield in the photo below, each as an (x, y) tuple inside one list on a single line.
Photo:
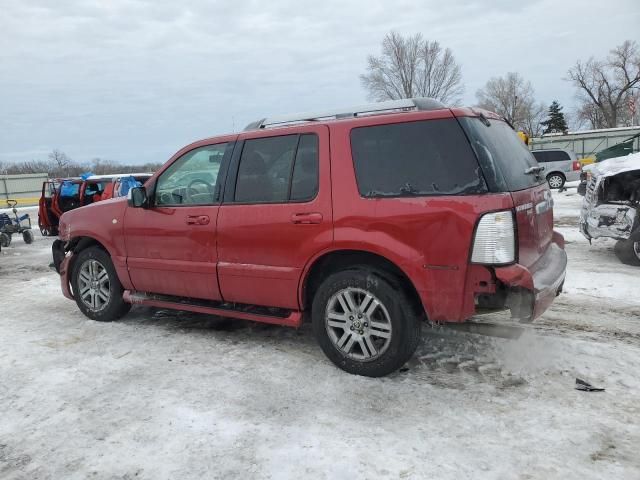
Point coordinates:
[(504, 158)]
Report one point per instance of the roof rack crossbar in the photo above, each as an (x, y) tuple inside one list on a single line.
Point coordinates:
[(407, 104)]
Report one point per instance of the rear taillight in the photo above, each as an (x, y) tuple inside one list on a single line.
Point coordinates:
[(494, 242), (576, 165)]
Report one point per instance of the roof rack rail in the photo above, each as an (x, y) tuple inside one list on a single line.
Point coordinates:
[(407, 104)]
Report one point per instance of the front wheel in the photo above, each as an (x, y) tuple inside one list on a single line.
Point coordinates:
[(96, 287), (364, 323), (555, 180), (628, 251), (27, 236)]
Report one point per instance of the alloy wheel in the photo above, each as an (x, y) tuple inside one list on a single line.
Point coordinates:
[(555, 181), (358, 324), (94, 286)]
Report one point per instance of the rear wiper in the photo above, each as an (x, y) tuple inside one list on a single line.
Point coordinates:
[(484, 119), (534, 170), (408, 189), (376, 194)]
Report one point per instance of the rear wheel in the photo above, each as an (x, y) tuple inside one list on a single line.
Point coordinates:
[(5, 239), (364, 323), (555, 180), (96, 287), (628, 251)]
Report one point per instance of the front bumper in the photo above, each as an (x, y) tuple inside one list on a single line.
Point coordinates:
[(607, 220), (62, 262), (530, 291)]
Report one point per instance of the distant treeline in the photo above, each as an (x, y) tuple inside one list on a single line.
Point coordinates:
[(59, 165)]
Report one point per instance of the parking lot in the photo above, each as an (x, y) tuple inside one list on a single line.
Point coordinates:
[(165, 394)]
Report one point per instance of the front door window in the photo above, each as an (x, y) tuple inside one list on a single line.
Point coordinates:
[(192, 179)]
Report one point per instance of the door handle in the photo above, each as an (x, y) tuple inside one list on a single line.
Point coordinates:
[(306, 218), (197, 219)]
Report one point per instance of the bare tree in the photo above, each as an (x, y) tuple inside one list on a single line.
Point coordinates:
[(514, 99), (73, 169), (533, 118), (100, 166), (60, 162), (604, 86), (413, 67)]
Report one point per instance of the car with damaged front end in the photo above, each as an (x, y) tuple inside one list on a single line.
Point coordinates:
[(611, 206)]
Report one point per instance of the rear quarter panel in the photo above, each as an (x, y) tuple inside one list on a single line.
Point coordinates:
[(428, 238)]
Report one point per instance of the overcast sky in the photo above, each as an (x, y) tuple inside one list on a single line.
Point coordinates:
[(135, 80)]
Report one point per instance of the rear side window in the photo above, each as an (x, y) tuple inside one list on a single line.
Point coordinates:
[(551, 156), (278, 169), (503, 156), (430, 157)]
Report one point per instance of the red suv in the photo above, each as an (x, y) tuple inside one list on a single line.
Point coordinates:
[(367, 221)]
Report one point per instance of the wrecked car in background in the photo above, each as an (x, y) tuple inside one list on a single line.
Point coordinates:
[(611, 205), (63, 194)]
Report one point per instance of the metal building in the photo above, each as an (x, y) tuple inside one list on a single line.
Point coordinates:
[(25, 188), (588, 142)]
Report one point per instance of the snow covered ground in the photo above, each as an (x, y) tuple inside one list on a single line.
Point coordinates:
[(174, 395)]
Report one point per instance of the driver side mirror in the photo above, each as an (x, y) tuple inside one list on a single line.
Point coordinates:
[(137, 197)]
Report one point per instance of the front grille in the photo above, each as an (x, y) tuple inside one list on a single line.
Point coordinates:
[(591, 195)]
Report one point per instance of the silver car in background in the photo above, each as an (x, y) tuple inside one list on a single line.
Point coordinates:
[(560, 166)]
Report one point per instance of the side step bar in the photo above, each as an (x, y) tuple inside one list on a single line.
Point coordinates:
[(289, 318)]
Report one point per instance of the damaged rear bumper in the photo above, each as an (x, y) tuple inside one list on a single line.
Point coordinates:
[(530, 291)]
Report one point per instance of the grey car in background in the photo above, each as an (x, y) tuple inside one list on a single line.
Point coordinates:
[(560, 166)]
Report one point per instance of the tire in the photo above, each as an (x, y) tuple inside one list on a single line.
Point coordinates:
[(555, 180), (5, 239), (95, 277), (628, 252), (27, 236), (365, 349)]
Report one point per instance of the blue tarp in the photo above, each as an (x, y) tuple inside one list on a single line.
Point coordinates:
[(69, 189)]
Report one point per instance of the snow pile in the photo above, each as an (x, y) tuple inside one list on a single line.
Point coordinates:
[(616, 165)]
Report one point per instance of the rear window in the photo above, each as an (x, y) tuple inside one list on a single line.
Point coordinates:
[(543, 156), (430, 157), (503, 156)]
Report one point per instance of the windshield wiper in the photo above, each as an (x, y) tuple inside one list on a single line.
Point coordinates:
[(534, 170)]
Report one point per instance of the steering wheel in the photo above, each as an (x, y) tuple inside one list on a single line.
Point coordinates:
[(191, 191)]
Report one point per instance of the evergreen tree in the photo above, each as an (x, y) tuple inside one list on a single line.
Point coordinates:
[(556, 122)]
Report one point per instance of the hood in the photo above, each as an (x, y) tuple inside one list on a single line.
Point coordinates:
[(614, 166), (95, 218)]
